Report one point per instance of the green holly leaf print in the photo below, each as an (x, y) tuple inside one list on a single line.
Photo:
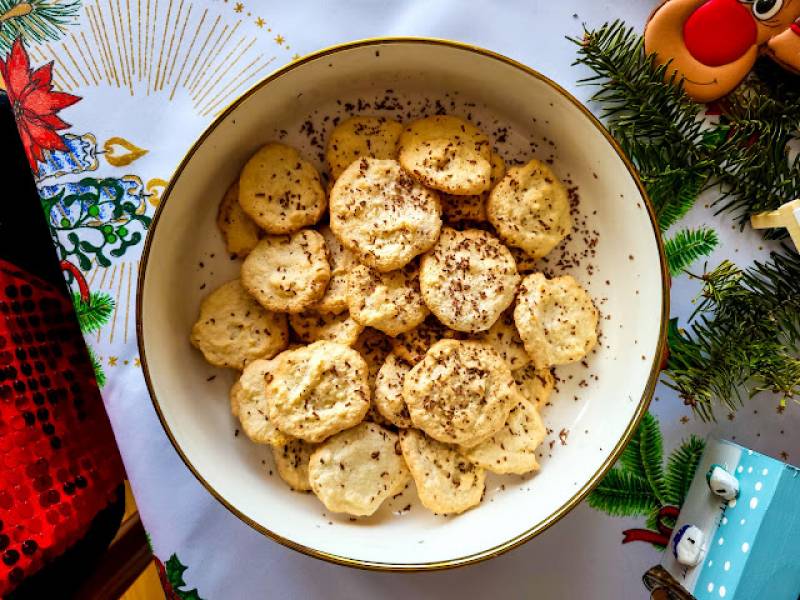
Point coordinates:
[(175, 570)]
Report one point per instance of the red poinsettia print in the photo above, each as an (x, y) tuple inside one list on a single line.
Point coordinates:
[(34, 103)]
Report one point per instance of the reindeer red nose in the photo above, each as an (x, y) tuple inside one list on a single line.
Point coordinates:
[(719, 32)]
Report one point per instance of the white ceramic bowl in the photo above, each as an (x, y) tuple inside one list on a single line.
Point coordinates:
[(595, 408)]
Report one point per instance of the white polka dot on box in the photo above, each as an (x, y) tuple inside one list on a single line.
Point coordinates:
[(738, 532)]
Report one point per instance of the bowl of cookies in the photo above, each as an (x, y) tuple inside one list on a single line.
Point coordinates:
[(402, 304)]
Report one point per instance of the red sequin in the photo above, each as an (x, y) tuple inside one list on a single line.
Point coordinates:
[(45, 448)]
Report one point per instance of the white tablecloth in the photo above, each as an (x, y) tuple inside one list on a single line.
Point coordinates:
[(139, 67)]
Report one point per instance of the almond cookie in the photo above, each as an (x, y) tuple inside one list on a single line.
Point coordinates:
[(252, 408), (534, 384), (529, 208), (382, 215), (390, 302), (341, 260), (373, 137), (388, 395), (291, 460), (235, 394), (240, 232), (280, 191), (318, 390), (468, 279), (460, 393), (447, 483), (411, 346), (472, 207), (556, 320), (287, 274), (374, 347), (356, 470), (504, 337), (447, 153), (311, 326), (233, 329), (513, 448)]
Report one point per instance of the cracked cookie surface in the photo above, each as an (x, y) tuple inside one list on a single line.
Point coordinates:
[(468, 279), (233, 329), (460, 393), (318, 390), (382, 215), (447, 153), (280, 190), (287, 273)]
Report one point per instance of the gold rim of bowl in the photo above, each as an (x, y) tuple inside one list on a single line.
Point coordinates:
[(612, 457)]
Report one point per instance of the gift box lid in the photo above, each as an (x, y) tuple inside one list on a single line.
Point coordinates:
[(752, 542)]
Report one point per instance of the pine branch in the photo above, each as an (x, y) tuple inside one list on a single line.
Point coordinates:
[(654, 120), (687, 245), (681, 467), (35, 21), (634, 98), (759, 173), (623, 494), (675, 194), (678, 153), (744, 337)]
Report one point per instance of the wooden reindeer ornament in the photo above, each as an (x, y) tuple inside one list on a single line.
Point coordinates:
[(713, 44)]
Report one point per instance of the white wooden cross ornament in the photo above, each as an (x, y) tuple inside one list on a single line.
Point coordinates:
[(787, 216)]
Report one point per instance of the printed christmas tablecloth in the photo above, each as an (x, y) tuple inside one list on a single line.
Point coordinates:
[(134, 82)]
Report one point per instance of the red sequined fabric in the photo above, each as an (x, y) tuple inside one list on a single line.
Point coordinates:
[(60, 464)]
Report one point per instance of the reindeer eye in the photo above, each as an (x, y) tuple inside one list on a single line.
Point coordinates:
[(766, 9)]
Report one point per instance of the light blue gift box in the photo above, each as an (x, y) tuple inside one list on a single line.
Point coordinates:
[(753, 542)]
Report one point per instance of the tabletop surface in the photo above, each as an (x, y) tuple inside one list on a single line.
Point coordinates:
[(151, 76)]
